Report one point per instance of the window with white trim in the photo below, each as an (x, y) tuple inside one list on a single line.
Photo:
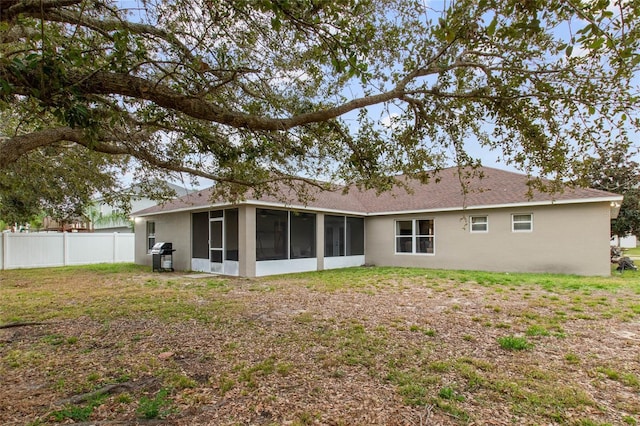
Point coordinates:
[(479, 223), (151, 235), (521, 222), (415, 236)]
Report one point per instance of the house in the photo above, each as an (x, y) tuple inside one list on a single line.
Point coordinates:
[(493, 225), (76, 224), (106, 217)]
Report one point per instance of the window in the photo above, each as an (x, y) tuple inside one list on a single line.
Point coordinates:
[(522, 222), (415, 236), (424, 238), (404, 238), (343, 236), (479, 224), (151, 235)]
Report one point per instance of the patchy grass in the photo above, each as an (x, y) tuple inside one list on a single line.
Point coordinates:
[(635, 251), (514, 343), (77, 412), (158, 406), (356, 346)]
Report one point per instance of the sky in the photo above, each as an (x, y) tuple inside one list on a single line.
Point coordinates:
[(488, 157)]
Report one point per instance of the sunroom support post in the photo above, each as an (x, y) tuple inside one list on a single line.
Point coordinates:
[(320, 241), (247, 241)]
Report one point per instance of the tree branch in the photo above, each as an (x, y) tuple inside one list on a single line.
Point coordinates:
[(19, 324), (582, 15), (106, 25), (9, 9), (126, 85), (107, 83), (13, 148)]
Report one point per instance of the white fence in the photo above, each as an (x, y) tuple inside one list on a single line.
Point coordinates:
[(629, 241), (39, 250)]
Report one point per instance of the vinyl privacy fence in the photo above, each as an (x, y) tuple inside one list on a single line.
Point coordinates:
[(40, 250)]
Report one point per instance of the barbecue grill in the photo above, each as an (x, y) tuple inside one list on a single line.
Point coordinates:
[(162, 257)]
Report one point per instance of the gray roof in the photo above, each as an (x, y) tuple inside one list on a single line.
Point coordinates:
[(443, 192)]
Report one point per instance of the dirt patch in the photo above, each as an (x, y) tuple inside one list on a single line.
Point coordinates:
[(395, 351)]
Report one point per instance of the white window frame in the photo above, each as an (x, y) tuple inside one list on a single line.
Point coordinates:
[(414, 237), (485, 223), (150, 236), (514, 222)]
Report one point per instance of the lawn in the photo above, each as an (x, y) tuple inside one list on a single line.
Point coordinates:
[(117, 344), (632, 251)]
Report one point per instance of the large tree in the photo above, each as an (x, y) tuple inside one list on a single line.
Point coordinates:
[(247, 92), (615, 170)]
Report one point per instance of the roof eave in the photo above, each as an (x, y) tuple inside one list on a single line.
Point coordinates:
[(612, 199), (252, 203)]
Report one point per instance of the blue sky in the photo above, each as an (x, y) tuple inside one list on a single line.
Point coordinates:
[(488, 157)]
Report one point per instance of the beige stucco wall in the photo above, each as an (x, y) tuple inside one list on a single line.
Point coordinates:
[(174, 228), (571, 238), (247, 239)]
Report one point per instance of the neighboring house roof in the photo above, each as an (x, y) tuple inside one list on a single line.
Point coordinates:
[(78, 224), (487, 188), (138, 193)]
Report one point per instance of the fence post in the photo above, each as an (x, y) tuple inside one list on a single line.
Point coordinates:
[(115, 247), (65, 249), (3, 258)]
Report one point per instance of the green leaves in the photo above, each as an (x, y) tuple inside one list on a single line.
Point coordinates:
[(77, 115), (6, 88), (241, 91), (614, 169), (569, 50), (491, 29)]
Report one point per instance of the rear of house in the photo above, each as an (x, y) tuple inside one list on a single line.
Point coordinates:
[(254, 240), (570, 238), (492, 225)]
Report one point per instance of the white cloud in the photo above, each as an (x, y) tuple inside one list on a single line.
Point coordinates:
[(391, 121)]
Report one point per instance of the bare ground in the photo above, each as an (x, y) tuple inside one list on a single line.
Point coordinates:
[(390, 350)]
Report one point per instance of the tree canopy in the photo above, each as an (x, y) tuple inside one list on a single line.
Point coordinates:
[(615, 170), (357, 91)]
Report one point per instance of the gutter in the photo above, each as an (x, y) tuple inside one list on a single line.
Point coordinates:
[(615, 202)]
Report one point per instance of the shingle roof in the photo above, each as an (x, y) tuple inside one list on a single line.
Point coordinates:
[(444, 191), (319, 200), (494, 188)]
